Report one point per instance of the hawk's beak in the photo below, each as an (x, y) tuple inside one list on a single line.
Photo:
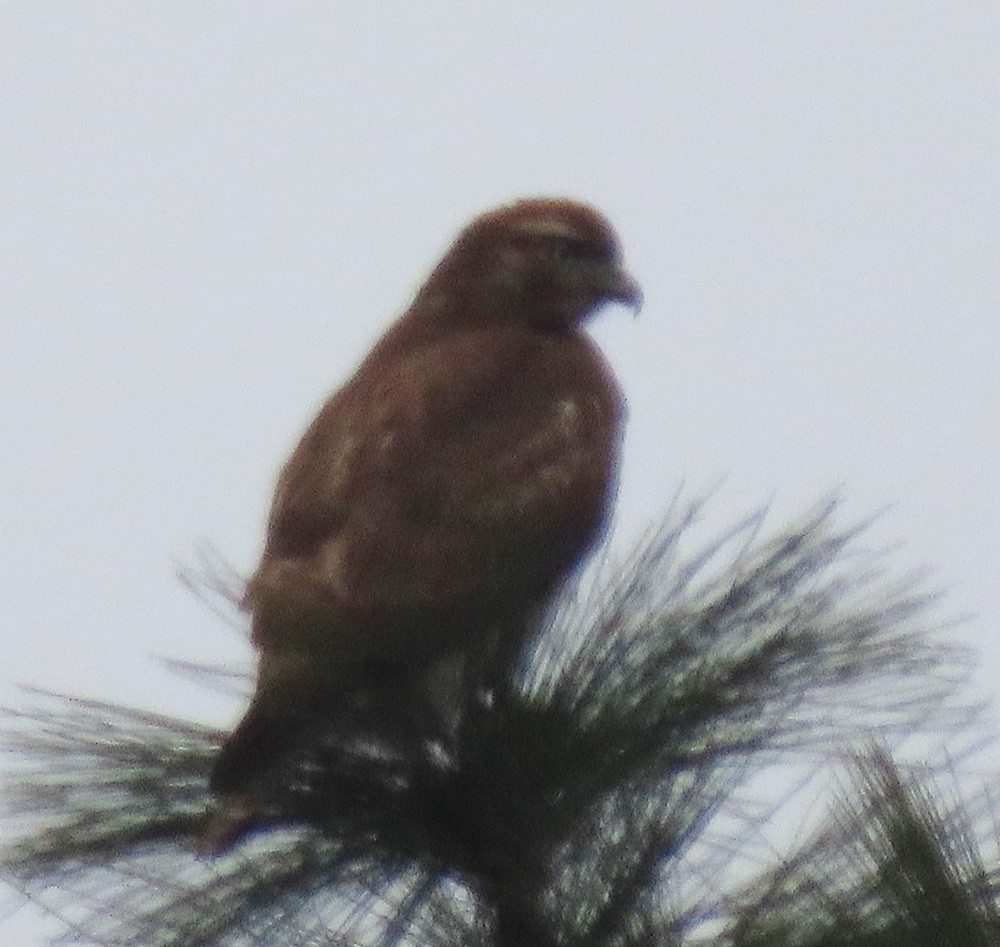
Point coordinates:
[(623, 288)]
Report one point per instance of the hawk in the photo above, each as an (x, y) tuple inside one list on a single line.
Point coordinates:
[(442, 494)]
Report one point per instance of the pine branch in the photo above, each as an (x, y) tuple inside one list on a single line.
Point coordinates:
[(584, 803), (895, 866)]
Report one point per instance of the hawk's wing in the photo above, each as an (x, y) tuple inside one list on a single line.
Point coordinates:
[(452, 473)]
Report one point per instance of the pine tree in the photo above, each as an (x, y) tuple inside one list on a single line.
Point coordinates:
[(611, 789)]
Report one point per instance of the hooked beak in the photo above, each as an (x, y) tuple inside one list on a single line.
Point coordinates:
[(622, 288)]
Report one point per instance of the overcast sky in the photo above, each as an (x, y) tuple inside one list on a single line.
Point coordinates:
[(209, 212)]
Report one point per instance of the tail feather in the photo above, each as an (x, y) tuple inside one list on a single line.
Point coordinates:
[(228, 824), (256, 747), (251, 757)]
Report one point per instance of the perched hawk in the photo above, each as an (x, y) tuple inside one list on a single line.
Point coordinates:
[(441, 495)]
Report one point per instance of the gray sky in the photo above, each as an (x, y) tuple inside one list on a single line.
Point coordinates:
[(210, 212)]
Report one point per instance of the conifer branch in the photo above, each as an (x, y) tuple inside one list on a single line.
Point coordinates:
[(594, 798)]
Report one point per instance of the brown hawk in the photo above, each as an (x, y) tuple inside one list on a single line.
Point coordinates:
[(450, 485)]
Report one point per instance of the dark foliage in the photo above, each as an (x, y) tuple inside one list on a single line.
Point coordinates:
[(894, 867), (606, 793)]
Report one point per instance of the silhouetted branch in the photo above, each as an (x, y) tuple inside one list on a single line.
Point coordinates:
[(896, 865), (598, 797)]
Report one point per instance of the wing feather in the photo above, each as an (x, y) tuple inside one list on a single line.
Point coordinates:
[(452, 473)]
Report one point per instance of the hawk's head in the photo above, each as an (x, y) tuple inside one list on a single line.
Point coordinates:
[(545, 261)]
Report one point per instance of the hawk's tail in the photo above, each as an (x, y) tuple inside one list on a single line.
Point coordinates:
[(249, 759)]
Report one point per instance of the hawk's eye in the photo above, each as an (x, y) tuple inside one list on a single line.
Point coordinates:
[(575, 251)]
